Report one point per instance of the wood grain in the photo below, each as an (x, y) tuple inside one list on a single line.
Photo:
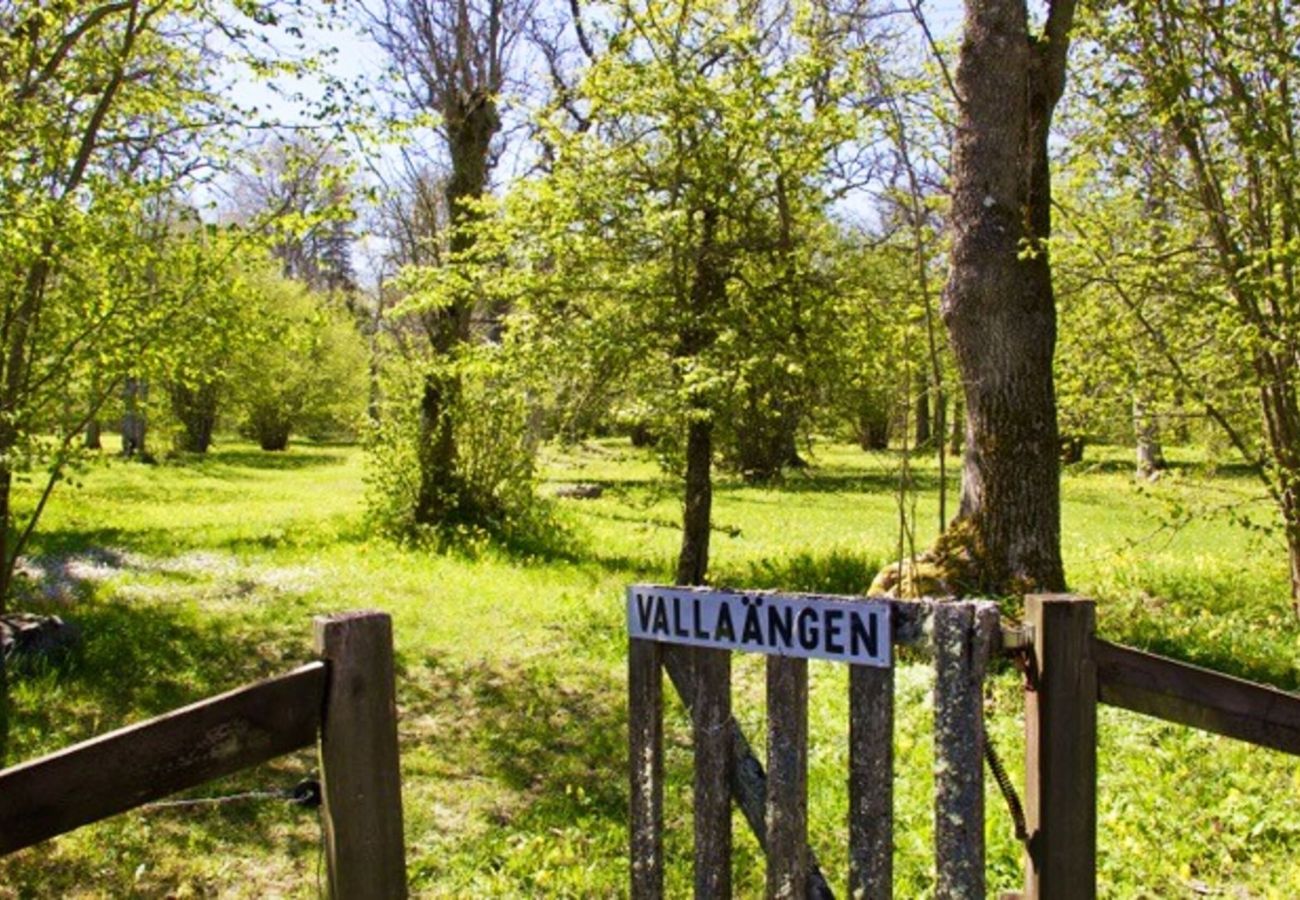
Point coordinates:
[(150, 760)]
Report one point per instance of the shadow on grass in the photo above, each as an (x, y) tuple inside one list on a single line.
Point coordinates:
[(558, 744), (883, 481), (139, 661), (135, 663), (1229, 470), (836, 572), (224, 463)]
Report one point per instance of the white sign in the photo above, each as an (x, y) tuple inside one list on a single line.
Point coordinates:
[(760, 622)]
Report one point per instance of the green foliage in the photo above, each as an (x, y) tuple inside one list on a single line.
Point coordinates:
[(670, 261), (495, 496), (302, 370)]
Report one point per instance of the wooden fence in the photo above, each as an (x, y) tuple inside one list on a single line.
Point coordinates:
[(1068, 672), (1071, 671), (961, 636), (344, 703)]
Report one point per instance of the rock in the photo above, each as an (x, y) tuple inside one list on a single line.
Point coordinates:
[(580, 491), (27, 640), (911, 581)]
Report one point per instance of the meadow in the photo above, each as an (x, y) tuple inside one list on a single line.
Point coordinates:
[(201, 573)]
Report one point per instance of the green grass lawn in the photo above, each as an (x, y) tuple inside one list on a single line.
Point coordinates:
[(197, 575)]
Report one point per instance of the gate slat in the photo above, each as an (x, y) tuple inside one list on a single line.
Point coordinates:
[(871, 783), (962, 634), (787, 778), (711, 716), (646, 764)]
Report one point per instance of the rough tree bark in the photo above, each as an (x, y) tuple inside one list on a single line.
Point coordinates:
[(998, 304)]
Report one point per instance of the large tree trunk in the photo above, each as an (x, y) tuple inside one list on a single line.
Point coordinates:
[(998, 304)]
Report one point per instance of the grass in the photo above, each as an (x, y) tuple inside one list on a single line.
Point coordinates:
[(197, 575)]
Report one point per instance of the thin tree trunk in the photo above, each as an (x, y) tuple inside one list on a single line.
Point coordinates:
[(1146, 431), (697, 520), (134, 422), (437, 495), (998, 303), (957, 426), (923, 414), (93, 440), (706, 290)]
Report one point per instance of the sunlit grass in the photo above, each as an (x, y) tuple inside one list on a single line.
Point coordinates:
[(207, 573)]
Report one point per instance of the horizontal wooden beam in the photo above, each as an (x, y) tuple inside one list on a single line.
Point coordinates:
[(1201, 698), (149, 760)]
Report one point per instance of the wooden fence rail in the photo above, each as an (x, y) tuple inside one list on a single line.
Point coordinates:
[(345, 702)]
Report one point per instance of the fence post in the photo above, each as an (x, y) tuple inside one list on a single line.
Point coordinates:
[(361, 811), (962, 637), (645, 722), (1061, 750), (787, 778), (871, 783), (711, 715)]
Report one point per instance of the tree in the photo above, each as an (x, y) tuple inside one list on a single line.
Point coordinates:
[(454, 59), (105, 105), (1215, 81), (998, 304), (302, 368), (674, 234)]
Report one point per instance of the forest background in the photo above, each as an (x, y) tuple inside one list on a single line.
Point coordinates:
[(717, 232)]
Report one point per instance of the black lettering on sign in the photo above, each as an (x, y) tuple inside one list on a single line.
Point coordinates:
[(780, 625), (698, 632), (724, 629), (831, 620), (677, 618), (863, 634), (644, 605), (661, 617), (753, 633), (808, 631)]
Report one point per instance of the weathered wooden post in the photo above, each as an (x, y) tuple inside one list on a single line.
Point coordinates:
[(1061, 750), (962, 636), (361, 810), (787, 778), (711, 720), (646, 762)]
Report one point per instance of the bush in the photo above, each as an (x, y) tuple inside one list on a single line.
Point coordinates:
[(494, 494)]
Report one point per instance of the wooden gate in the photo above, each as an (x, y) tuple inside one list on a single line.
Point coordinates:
[(960, 636)]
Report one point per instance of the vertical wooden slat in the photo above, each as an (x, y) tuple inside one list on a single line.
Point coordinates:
[(646, 765), (871, 783), (787, 778), (1061, 751), (361, 789), (711, 714), (962, 634)]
